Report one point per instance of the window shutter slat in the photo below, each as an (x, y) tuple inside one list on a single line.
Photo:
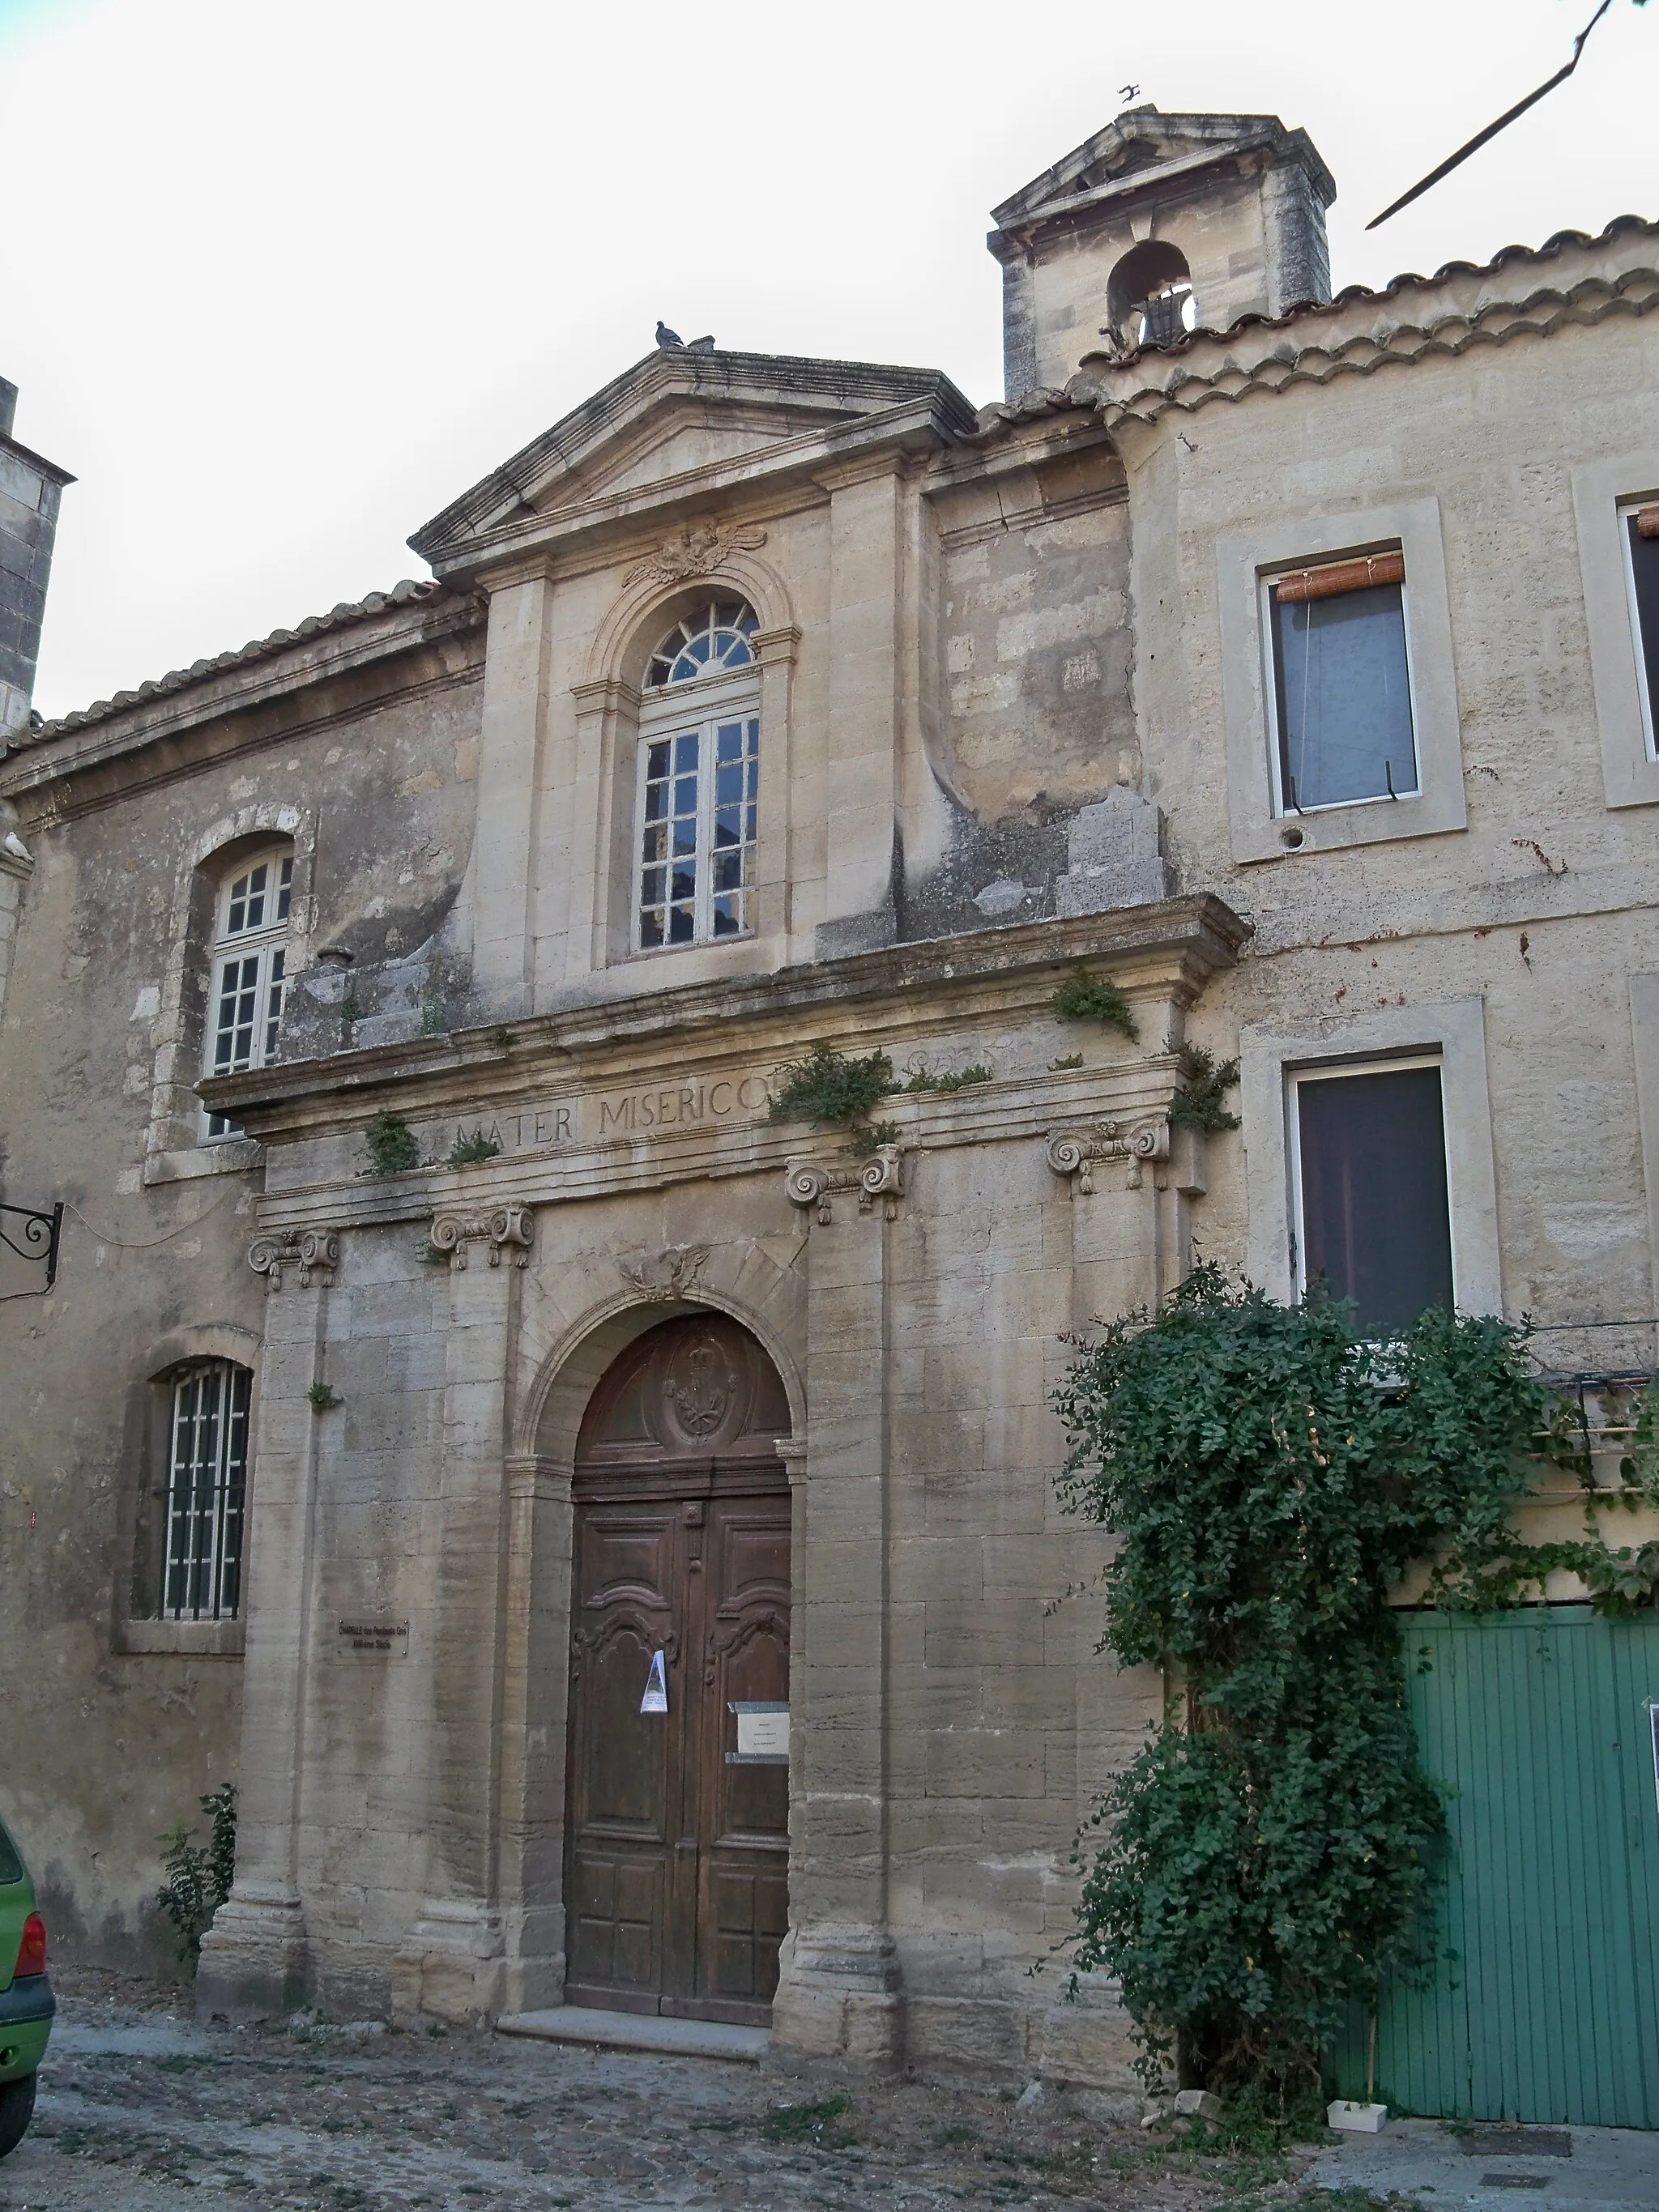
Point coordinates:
[(1339, 576), (1647, 521)]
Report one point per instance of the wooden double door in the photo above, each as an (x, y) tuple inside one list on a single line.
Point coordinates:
[(677, 1875)]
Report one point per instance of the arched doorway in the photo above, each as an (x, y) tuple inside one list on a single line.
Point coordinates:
[(677, 1820)]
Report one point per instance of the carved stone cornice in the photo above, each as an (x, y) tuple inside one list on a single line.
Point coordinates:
[(315, 1252), (1074, 1152), (698, 549), (511, 1228), (814, 1183), (669, 1274)]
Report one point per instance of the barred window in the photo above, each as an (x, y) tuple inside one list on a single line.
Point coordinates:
[(249, 960), (698, 801), (207, 1486)]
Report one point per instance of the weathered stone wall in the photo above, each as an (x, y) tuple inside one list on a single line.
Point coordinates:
[(152, 1272)]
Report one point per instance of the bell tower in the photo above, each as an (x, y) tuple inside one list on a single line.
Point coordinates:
[(1157, 225)]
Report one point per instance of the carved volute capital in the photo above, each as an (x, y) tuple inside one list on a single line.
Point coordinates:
[(669, 1274), (815, 1182), (504, 1228), (1074, 1152), (315, 1252)]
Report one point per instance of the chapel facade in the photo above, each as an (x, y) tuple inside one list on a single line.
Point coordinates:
[(607, 1532)]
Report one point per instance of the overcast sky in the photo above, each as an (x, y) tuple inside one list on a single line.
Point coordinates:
[(277, 284)]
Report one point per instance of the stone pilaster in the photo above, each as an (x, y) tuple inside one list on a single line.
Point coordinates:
[(454, 1965), (536, 1683), (253, 1960), (865, 677), (839, 1993), (514, 713)]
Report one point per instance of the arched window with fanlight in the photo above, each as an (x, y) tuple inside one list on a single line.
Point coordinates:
[(250, 954), (698, 799)]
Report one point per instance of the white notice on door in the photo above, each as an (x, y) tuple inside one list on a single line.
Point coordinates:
[(655, 1700), (763, 1732)]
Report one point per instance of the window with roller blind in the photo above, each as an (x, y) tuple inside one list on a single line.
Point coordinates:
[(1372, 1213), (1639, 531), (1340, 685)]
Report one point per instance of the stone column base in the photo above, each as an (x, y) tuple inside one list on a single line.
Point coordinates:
[(453, 1968), (840, 1995), (1086, 2036), (254, 1962)]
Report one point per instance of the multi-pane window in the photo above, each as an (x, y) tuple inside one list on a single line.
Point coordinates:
[(249, 959), (1373, 1220), (699, 782), (1340, 685), (1641, 536), (207, 1490)]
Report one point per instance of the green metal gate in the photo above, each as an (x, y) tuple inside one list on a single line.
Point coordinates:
[(1545, 2005)]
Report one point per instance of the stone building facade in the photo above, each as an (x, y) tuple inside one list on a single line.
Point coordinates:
[(1282, 660)]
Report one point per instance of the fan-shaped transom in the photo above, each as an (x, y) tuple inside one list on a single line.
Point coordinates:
[(714, 638)]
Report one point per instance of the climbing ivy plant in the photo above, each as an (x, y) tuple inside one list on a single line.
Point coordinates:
[(1270, 1475)]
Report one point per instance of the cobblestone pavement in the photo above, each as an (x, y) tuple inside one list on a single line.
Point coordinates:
[(139, 2112)]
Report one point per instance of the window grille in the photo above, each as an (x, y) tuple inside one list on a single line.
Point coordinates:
[(249, 965), (1340, 685), (207, 1487), (699, 782)]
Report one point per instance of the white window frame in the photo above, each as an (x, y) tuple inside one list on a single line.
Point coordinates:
[(1326, 1070), (224, 1552), (1603, 492), (1454, 1034), (266, 945), (1283, 809), (673, 711), (1248, 560), (1627, 510)]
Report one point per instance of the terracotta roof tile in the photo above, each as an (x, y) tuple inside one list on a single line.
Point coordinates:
[(406, 593)]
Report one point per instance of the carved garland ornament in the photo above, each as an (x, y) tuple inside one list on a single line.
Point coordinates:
[(669, 1274), (813, 1182), (696, 550), (509, 1226), (1074, 1152), (312, 1251)]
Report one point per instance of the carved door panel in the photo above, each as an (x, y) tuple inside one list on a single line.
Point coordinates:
[(743, 1805), (626, 1766), (677, 1844)]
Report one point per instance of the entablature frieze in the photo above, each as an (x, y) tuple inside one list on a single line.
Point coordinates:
[(897, 997)]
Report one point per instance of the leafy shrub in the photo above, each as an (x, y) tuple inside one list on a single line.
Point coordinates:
[(472, 1152), (958, 1080), (199, 1876), (1085, 998), (1270, 1475), (829, 1086), (1201, 1103), (869, 1137), (391, 1146)]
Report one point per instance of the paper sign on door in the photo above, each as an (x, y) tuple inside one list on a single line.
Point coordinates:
[(655, 1700), (763, 1734)]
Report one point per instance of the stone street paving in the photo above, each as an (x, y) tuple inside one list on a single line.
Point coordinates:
[(140, 2112)]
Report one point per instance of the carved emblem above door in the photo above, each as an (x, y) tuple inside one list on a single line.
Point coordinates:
[(698, 1386)]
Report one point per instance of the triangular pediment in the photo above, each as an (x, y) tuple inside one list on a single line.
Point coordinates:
[(674, 420), (1141, 146)]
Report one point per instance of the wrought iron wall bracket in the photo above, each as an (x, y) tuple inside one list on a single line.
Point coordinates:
[(40, 1234)]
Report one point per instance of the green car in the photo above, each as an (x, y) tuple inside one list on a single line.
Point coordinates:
[(26, 2000)]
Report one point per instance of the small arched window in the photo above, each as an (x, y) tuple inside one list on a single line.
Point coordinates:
[(1149, 297), (206, 1490), (249, 934), (697, 807)]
